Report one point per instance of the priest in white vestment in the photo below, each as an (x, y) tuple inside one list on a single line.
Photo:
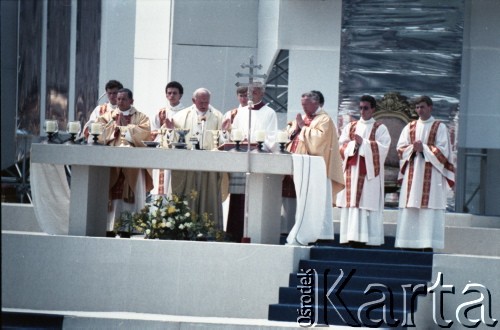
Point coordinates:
[(426, 170), (263, 119), (162, 177), (364, 145), (205, 187), (112, 87)]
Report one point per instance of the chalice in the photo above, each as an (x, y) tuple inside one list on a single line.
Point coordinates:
[(164, 143), (123, 134), (169, 136), (215, 135), (225, 135), (182, 134)]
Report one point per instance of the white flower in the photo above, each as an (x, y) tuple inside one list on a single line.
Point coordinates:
[(200, 235), (163, 213), (169, 224), (181, 226), (148, 231), (185, 202), (187, 214), (153, 222)]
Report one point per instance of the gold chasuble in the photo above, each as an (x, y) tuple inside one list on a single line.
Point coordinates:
[(320, 138), (202, 189), (123, 180)]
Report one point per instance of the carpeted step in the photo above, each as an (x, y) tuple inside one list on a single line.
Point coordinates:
[(360, 282), (389, 242), (351, 298), (290, 313), (390, 275), (417, 272), (371, 255)]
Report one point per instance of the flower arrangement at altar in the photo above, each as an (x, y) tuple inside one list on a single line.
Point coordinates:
[(170, 218)]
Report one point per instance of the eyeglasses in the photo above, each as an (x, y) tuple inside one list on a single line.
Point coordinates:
[(364, 108)]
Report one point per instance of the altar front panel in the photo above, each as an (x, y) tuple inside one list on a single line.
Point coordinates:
[(90, 168)]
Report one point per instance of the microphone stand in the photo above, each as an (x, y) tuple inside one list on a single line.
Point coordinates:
[(246, 238), (202, 134)]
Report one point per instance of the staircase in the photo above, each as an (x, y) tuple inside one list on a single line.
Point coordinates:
[(354, 287)]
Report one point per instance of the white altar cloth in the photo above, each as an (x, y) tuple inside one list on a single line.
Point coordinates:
[(314, 215), (51, 197), (90, 173)]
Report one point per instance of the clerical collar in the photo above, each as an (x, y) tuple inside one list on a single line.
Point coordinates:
[(259, 105), (126, 113), (369, 121), (178, 107), (113, 107), (429, 120)]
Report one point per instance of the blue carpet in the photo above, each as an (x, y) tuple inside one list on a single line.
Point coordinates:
[(369, 287)]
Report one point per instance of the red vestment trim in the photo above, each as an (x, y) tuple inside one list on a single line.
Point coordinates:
[(352, 160), (426, 187)]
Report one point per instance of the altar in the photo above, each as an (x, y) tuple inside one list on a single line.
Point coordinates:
[(90, 176)]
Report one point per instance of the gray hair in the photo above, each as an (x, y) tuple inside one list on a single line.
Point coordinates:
[(201, 90), (259, 85)]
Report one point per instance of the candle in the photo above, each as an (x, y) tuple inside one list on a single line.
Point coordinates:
[(74, 127), (237, 134), (282, 137), (50, 126), (96, 128), (260, 136)]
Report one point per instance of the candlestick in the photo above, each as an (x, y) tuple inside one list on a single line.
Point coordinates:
[(74, 127), (96, 128), (282, 148), (237, 148), (260, 136), (282, 137), (50, 128), (237, 135)]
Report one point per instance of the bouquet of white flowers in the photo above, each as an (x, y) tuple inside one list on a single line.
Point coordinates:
[(170, 218)]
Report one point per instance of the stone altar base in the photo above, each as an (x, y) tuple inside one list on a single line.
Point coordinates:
[(108, 282)]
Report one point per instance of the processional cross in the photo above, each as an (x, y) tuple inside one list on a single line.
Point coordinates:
[(251, 75)]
